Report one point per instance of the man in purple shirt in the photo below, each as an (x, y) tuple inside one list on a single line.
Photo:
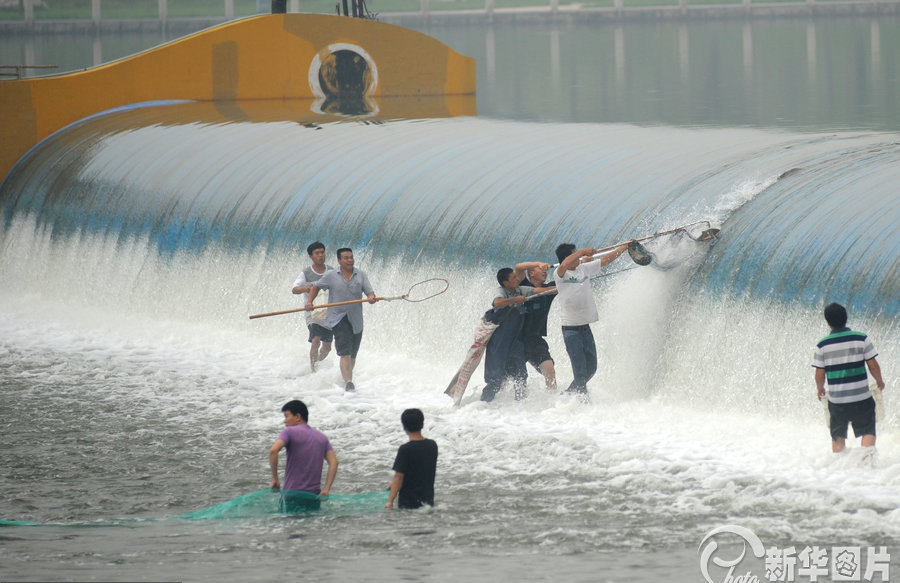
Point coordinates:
[(307, 450)]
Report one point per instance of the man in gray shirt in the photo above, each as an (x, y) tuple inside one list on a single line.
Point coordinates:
[(345, 284)]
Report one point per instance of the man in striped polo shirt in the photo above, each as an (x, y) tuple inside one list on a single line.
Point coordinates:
[(842, 358)]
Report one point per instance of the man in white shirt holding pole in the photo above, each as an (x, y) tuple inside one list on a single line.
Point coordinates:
[(578, 309)]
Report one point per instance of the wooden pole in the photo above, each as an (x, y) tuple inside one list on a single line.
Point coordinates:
[(303, 309)]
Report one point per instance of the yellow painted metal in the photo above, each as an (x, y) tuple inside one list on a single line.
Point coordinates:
[(266, 57)]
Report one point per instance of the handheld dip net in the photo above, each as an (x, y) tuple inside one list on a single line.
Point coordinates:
[(639, 255), (419, 292)]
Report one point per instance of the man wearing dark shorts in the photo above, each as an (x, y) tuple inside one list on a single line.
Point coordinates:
[(534, 329), (841, 358), (320, 335), (504, 355), (346, 284)]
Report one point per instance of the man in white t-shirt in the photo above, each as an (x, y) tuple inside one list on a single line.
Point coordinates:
[(578, 309), (320, 334)]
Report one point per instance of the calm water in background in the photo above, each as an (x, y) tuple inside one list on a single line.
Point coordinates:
[(792, 73), (133, 386), (818, 74)]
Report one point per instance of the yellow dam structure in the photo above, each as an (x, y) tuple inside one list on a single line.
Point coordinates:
[(321, 67)]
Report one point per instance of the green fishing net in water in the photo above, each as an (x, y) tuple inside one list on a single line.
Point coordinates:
[(18, 523), (266, 502), (257, 504)]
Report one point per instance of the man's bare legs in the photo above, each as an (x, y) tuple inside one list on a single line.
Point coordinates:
[(347, 364), (868, 448), (549, 371), (318, 350)]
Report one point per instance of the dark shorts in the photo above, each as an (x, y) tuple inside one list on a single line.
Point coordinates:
[(860, 414), (322, 332), (537, 351), (346, 343)]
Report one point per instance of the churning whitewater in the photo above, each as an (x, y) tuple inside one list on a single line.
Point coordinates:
[(136, 387)]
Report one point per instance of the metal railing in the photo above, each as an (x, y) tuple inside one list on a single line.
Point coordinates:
[(15, 71), (425, 7), (162, 9)]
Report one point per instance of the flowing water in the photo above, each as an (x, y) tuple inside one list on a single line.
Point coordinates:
[(134, 246)]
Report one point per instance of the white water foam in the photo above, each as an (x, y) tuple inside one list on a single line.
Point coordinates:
[(703, 408)]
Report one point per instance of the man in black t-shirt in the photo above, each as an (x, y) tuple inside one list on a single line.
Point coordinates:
[(534, 329), (414, 466)]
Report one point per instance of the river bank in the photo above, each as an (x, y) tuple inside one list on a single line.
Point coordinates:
[(565, 14)]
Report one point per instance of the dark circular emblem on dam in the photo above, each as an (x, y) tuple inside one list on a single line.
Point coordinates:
[(343, 77)]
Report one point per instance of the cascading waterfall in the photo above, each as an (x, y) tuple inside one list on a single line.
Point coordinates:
[(460, 191)]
